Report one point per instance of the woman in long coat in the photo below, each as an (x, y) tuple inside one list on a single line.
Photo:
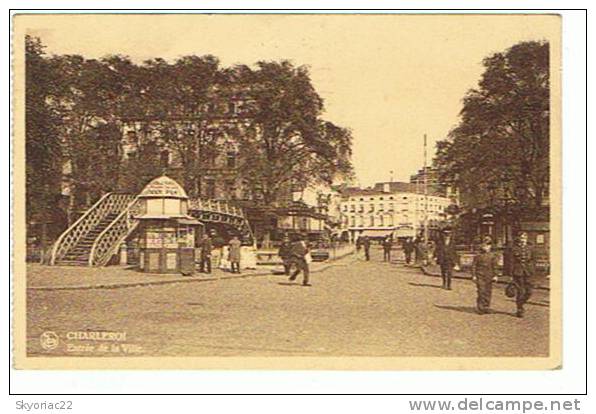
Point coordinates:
[(234, 255)]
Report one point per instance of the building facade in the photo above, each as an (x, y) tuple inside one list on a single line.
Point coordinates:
[(394, 208)]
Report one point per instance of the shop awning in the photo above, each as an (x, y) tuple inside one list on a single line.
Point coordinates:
[(377, 233)]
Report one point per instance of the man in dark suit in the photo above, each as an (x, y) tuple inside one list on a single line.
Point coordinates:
[(298, 257), (366, 245), (522, 270), (387, 245), (408, 246), (285, 253), (206, 248), (447, 258), (484, 271)]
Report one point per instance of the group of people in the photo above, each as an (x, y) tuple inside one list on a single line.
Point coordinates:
[(295, 255), (484, 270), (207, 249), (409, 246), (522, 269), (484, 265)]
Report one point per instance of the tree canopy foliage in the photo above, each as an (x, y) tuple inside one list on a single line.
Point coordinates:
[(498, 155), (77, 107), (42, 123)]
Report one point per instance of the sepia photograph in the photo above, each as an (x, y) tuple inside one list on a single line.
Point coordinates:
[(276, 191)]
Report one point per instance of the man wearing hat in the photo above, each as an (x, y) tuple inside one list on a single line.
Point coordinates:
[(522, 270), (446, 258), (484, 270), (285, 252), (298, 257), (366, 245), (206, 248)]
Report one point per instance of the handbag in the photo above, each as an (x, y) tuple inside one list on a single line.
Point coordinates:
[(511, 289)]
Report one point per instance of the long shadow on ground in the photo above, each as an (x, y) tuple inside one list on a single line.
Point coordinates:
[(425, 285), (470, 309)]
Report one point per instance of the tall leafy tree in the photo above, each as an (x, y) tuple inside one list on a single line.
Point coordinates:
[(88, 100), (179, 102), (192, 111), (284, 141), (43, 149), (499, 152)]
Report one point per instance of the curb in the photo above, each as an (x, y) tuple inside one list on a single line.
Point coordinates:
[(500, 282), (167, 282)]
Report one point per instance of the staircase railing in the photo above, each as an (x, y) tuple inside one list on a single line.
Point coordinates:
[(108, 241), (108, 203), (220, 211)]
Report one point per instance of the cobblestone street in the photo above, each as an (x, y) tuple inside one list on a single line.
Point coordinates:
[(353, 308)]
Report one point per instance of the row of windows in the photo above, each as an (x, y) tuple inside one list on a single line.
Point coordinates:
[(370, 209), (373, 198), (420, 197), (372, 221), (390, 207)]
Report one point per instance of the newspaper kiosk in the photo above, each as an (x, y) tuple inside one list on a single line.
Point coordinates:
[(166, 232)]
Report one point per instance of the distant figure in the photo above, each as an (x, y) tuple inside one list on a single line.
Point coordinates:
[(417, 250), (484, 271), (522, 269), (285, 253), (298, 257), (431, 248), (234, 255), (408, 246), (206, 248), (366, 246), (387, 245), (218, 244), (446, 258), (224, 262)]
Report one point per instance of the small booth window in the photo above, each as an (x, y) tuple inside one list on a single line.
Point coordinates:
[(171, 206)]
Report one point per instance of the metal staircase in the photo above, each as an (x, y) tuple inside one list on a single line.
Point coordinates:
[(107, 242), (95, 237), (74, 246)]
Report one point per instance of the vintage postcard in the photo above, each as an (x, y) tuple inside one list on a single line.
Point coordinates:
[(284, 191)]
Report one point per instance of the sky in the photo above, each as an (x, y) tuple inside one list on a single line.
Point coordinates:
[(389, 78)]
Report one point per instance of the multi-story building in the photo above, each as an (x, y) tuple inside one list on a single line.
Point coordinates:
[(390, 208)]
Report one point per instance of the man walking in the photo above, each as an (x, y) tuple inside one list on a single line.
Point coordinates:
[(387, 245), (522, 271), (366, 246), (234, 255), (408, 247), (206, 248), (298, 257), (285, 253), (446, 258), (484, 270)]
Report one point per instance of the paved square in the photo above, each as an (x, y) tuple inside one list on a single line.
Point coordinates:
[(353, 308)]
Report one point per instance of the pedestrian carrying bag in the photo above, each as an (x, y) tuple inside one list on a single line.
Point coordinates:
[(511, 290)]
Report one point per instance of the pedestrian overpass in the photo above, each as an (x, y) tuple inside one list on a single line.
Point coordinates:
[(97, 235)]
